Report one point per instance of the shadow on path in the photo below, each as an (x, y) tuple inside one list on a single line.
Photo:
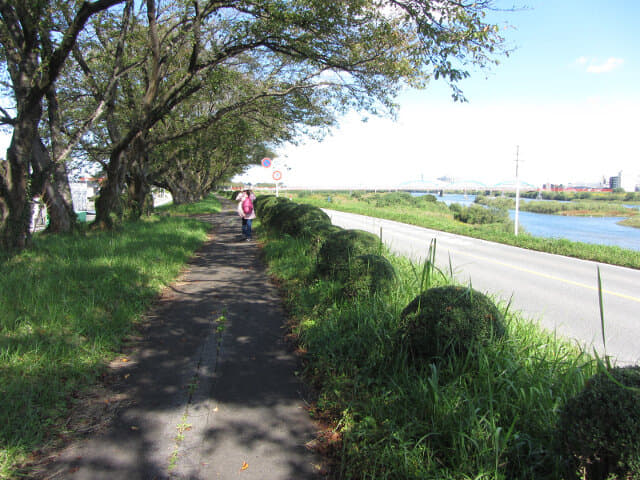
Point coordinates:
[(209, 391)]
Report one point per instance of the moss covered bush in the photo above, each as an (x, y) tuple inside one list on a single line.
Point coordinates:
[(263, 202), (272, 212), (300, 216), (450, 319), (599, 429), (343, 246), (316, 234), (368, 274)]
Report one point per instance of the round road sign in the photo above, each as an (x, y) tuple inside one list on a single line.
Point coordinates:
[(277, 175), (266, 162)]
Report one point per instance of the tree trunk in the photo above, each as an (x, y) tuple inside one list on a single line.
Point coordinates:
[(15, 188), (139, 187), (109, 201), (140, 201), (52, 183), (56, 192), (57, 196)]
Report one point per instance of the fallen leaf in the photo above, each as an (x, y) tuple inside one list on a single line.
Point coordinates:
[(245, 465), (133, 427), (127, 375), (125, 360)]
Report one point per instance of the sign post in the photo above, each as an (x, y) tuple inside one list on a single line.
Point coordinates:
[(277, 176), (517, 190)]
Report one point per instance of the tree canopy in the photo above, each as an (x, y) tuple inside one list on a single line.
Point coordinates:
[(184, 94)]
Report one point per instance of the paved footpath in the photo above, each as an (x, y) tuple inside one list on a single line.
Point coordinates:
[(209, 391)]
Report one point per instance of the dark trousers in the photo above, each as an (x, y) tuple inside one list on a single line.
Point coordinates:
[(246, 227)]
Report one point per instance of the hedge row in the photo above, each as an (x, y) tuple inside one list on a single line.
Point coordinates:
[(351, 257)]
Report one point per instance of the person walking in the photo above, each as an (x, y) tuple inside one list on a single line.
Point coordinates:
[(246, 211)]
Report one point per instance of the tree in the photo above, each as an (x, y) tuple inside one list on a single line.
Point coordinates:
[(358, 53), (32, 55)]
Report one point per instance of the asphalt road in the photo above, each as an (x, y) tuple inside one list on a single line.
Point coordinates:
[(560, 293)]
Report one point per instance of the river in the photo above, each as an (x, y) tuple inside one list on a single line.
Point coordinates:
[(596, 230)]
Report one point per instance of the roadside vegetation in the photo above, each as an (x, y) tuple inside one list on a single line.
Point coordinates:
[(585, 208), (67, 303), (472, 221), (484, 400)]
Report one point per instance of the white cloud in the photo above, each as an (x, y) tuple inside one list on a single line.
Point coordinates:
[(593, 65), (609, 65)]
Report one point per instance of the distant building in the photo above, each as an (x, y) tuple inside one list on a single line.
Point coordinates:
[(615, 182)]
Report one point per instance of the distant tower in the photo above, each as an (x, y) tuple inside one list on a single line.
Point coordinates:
[(615, 182)]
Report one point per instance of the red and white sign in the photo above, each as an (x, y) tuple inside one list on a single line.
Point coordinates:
[(277, 175)]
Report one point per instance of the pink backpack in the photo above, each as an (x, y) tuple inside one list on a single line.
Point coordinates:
[(247, 205)]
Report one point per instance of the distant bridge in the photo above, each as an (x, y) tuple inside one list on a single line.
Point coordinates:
[(463, 185)]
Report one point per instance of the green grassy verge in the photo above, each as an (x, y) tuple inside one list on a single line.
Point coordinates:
[(437, 216), (487, 415), (67, 303)]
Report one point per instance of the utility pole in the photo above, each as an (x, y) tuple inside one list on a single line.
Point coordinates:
[(517, 188)]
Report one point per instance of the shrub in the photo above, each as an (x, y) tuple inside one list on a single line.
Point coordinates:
[(428, 198), (478, 215), (316, 233), (272, 213), (394, 198), (368, 274), (300, 216), (341, 247), (599, 429), (263, 203), (449, 319)]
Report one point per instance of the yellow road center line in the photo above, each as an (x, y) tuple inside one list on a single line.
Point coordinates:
[(546, 275)]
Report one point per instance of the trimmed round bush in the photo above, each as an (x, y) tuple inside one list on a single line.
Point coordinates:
[(368, 274), (281, 213), (301, 216), (451, 319), (264, 202), (599, 429), (272, 212), (316, 232), (341, 247)]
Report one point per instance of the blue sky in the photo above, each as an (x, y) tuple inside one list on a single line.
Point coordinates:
[(568, 96)]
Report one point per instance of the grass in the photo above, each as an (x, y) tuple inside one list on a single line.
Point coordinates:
[(489, 414), (67, 303), (437, 216), (631, 222), (588, 208)]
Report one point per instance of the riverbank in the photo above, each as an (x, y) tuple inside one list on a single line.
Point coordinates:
[(575, 208), (438, 216)]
